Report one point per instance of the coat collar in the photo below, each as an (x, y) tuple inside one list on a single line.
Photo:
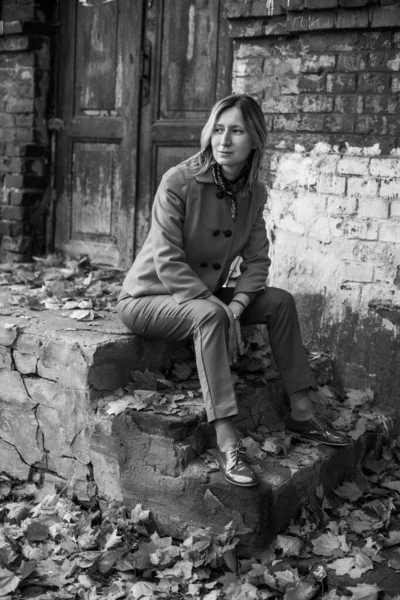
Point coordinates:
[(206, 177)]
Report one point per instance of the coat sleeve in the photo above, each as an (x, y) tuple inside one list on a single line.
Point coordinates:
[(255, 264), (170, 261)]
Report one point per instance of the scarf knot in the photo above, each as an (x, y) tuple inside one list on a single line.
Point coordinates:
[(228, 188)]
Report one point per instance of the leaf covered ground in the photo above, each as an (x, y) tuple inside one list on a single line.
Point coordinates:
[(345, 546)]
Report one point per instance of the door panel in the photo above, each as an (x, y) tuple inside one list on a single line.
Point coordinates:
[(189, 69), (99, 81)]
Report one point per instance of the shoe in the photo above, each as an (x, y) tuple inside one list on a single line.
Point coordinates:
[(317, 430), (234, 466)]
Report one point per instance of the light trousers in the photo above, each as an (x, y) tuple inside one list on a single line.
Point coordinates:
[(161, 317)]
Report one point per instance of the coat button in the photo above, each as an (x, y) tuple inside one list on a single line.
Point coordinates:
[(216, 232), (220, 195), (227, 233), (216, 266), (204, 264)]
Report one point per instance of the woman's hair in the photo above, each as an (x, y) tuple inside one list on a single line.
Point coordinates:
[(255, 125)]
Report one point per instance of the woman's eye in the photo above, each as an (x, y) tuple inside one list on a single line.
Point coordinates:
[(217, 129), (237, 131)]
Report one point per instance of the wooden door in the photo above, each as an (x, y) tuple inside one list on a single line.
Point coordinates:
[(98, 100), (186, 68)]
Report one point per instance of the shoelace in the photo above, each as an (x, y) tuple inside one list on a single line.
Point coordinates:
[(235, 455)]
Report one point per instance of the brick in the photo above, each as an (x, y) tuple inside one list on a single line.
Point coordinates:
[(315, 103), (248, 28), (14, 213), (354, 271), (353, 3), (311, 122), (19, 11), (352, 19), (339, 123), (388, 16), (248, 67), (341, 83), (276, 27), (316, 63), (238, 9), (16, 105), (14, 44), (312, 83), (286, 123), (321, 4), (352, 62), (349, 104), (385, 167), (14, 181), (322, 20), (395, 84), (390, 188), (356, 186), (352, 165), (373, 82), (24, 198), (12, 27), (381, 104), (395, 208), (299, 22), (361, 230), (282, 104), (374, 208), (346, 41), (389, 232), (331, 184), (371, 124), (339, 206)]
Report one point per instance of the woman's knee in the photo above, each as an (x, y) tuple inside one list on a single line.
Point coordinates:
[(212, 312), (277, 298)]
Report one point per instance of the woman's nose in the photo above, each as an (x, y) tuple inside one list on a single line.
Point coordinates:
[(226, 138)]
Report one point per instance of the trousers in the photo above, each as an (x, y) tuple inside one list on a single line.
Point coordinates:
[(161, 317)]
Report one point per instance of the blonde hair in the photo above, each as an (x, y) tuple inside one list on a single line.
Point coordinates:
[(255, 125)]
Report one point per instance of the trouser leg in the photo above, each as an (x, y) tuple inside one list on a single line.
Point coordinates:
[(276, 309), (160, 317)]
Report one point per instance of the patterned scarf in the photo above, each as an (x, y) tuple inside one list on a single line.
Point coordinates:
[(228, 188)]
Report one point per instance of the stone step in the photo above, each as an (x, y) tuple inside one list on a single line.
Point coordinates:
[(55, 377)]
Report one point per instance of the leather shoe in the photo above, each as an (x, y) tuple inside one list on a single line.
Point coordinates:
[(234, 466), (317, 430)]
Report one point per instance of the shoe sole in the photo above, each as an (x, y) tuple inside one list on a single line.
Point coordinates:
[(305, 437)]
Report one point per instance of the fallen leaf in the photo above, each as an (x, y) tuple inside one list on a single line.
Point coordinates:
[(304, 590), (349, 490), (328, 544), (8, 582), (289, 545), (182, 370), (364, 591), (392, 485)]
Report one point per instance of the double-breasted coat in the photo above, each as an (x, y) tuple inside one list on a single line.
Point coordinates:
[(193, 239)]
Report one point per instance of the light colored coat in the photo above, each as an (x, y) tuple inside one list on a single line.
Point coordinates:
[(184, 256)]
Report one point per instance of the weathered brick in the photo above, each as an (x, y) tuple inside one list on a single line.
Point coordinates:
[(299, 22), (381, 104), (12, 27), (14, 181), (14, 43), (17, 244), (390, 188), (312, 83), (389, 232), (352, 165), (354, 271), (371, 124), (395, 84), (385, 167), (248, 28), (316, 63), (24, 198), (385, 16), (383, 60), (13, 213), (361, 230), (346, 41), (373, 82), (321, 4), (315, 103), (374, 208), (339, 206), (339, 83), (339, 123), (238, 9), (311, 122), (353, 3), (20, 105), (282, 104), (395, 208), (275, 27), (322, 20), (286, 123), (331, 184), (352, 19), (248, 67), (349, 104), (352, 62)]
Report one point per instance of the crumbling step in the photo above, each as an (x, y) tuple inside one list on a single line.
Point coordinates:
[(55, 377)]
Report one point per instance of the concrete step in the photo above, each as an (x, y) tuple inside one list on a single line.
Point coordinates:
[(56, 377)]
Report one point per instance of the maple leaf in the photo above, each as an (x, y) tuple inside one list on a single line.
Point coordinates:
[(392, 485), (143, 590), (328, 544), (8, 582), (354, 566), (289, 545), (304, 590), (286, 578), (182, 370), (138, 514), (359, 429), (364, 591), (349, 491)]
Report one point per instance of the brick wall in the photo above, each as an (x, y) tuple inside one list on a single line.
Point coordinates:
[(25, 30), (327, 74)]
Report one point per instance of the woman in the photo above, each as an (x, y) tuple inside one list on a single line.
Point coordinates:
[(207, 211)]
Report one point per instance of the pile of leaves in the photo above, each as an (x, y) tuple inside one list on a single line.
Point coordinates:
[(73, 287), (51, 547)]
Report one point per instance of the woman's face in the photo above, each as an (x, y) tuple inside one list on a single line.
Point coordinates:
[(230, 141)]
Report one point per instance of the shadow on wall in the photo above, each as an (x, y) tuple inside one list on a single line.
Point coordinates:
[(366, 351)]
